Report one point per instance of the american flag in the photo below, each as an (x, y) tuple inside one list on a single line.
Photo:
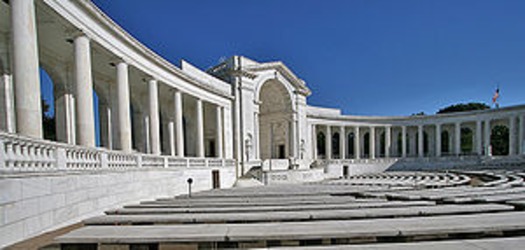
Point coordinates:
[(496, 96)]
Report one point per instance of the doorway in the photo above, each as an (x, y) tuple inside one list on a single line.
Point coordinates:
[(216, 180)]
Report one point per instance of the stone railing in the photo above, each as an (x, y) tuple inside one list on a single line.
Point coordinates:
[(26, 155), (325, 162)]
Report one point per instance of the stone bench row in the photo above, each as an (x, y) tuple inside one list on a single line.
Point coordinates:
[(374, 230), (501, 178), (249, 202), (476, 244), (446, 194), (244, 209), (474, 194), (488, 198), (297, 215), (275, 191), (426, 179)]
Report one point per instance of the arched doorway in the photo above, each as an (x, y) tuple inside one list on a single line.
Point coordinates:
[(445, 143), (467, 141), (366, 145), (499, 139), (275, 121), (335, 146), (350, 145)]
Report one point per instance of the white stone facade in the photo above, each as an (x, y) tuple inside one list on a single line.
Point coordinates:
[(160, 124)]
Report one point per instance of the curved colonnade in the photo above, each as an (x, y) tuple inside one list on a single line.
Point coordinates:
[(119, 106), (145, 104), (129, 125), (339, 136)]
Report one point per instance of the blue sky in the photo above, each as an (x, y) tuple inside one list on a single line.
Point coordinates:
[(363, 56)]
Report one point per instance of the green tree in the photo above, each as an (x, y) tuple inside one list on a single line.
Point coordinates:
[(463, 107), (499, 138)]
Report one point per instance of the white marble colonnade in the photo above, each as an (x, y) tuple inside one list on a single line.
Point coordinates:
[(115, 119), (428, 138)]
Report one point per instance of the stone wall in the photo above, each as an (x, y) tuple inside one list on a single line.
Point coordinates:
[(293, 176), (335, 169), (31, 204)]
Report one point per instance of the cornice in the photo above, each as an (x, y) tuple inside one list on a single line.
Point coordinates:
[(91, 9), (437, 118), (285, 71)]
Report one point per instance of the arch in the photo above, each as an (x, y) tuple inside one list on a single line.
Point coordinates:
[(276, 138), (399, 143), (445, 142), (499, 140), (350, 148), (271, 78), (335, 145), (426, 148), (366, 145), (466, 140), (321, 144), (382, 144)]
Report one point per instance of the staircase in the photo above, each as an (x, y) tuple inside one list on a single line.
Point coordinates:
[(252, 178)]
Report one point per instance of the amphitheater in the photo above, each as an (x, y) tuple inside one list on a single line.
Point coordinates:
[(229, 157)]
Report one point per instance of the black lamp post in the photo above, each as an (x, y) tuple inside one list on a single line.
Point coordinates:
[(190, 181)]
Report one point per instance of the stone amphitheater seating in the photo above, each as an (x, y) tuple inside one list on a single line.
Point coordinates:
[(393, 210)]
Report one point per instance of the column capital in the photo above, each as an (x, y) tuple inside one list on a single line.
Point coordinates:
[(80, 36), (74, 33), (149, 78)]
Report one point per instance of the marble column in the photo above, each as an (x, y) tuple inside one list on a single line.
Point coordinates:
[(438, 140), (372, 143), (512, 135), (479, 136), (328, 143), (85, 124), (256, 135), (388, 141), (26, 76), (8, 103), (146, 134), (200, 128), (153, 99), (179, 128), (293, 138), (521, 139), (420, 141), (342, 143), (403, 141), (124, 116), (457, 138), (314, 140), (394, 143), (357, 143), (412, 143), (171, 138), (486, 138), (65, 116), (218, 125)]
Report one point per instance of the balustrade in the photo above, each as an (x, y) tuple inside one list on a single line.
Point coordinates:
[(20, 154)]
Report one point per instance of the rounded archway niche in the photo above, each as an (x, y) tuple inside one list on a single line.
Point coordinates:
[(275, 121)]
